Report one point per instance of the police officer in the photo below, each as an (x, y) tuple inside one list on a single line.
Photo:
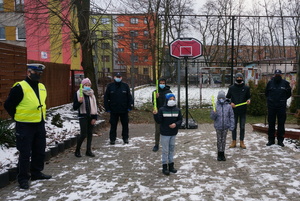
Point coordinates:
[(26, 105), (277, 92), (118, 102)]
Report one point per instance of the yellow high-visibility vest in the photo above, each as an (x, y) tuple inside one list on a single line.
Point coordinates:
[(31, 109)]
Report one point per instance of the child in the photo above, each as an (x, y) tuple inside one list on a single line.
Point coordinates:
[(223, 120), (169, 117)]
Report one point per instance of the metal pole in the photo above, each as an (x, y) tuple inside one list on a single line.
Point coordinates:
[(186, 94), (178, 78), (232, 48), (132, 70)]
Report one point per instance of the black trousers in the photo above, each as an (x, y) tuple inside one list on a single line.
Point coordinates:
[(114, 119), (31, 143), (280, 114), (86, 131), (242, 119)]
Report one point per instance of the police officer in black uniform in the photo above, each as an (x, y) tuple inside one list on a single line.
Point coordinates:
[(118, 102), (277, 92), (26, 105)]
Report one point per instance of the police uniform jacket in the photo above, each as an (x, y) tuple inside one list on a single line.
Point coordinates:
[(117, 98), (16, 96), (277, 93)]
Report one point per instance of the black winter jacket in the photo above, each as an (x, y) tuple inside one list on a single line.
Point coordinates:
[(117, 98), (160, 101), (168, 115), (277, 93), (239, 93)]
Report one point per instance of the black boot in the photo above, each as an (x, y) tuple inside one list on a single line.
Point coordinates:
[(89, 153), (77, 152), (219, 156), (223, 156), (165, 170), (171, 168)]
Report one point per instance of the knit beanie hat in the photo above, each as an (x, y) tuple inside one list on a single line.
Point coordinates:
[(221, 94), (239, 75), (169, 95), (86, 81)]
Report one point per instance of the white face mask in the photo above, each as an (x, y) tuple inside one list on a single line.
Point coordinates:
[(171, 103)]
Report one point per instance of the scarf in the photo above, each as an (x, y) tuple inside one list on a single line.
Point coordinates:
[(92, 103)]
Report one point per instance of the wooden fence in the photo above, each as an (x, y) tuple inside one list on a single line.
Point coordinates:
[(56, 77)]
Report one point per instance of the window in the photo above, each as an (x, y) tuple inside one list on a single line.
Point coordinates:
[(120, 62), (146, 71), (133, 33), (119, 37), (105, 45), (105, 58), (134, 45), (134, 58), (119, 24), (19, 5), (145, 20), (94, 20), (145, 58), (105, 20), (119, 49), (146, 33), (146, 46), (1, 6), (105, 33), (2, 33), (134, 20), (21, 34)]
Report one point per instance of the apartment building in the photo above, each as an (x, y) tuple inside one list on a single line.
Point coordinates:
[(12, 24)]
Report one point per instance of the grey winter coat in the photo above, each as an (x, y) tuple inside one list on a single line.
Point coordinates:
[(223, 117)]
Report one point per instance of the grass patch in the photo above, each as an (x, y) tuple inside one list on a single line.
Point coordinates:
[(200, 115)]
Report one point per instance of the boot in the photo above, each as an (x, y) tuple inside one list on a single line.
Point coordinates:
[(219, 156), (89, 153), (165, 170), (77, 153), (223, 156), (171, 168), (242, 145), (233, 144)]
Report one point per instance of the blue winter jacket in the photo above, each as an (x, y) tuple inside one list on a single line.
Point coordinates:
[(223, 117)]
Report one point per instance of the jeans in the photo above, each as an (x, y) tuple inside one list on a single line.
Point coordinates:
[(168, 148), (242, 118)]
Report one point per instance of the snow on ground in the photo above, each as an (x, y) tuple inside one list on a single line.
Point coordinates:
[(8, 157)]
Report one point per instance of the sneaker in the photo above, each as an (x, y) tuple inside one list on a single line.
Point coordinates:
[(125, 141), (41, 176), (270, 143), (281, 144), (155, 148), (24, 185), (112, 142)]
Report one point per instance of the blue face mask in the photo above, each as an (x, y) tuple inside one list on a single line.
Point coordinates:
[(221, 100), (87, 88), (117, 79), (162, 86)]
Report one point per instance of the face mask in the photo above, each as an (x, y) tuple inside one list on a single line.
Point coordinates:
[(221, 100), (35, 77), (117, 79), (277, 78), (239, 81), (162, 86), (87, 88), (171, 103)]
